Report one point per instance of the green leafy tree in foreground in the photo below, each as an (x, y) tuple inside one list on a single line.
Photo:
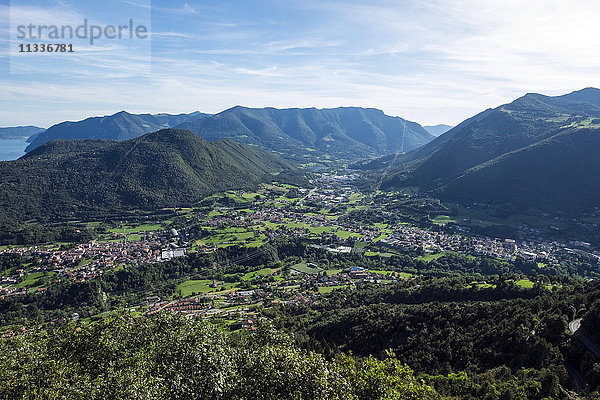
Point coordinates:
[(171, 357)]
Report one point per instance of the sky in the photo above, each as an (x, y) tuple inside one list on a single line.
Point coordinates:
[(431, 62)]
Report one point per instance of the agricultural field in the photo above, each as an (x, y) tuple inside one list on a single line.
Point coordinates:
[(305, 268), (329, 289), (35, 280), (261, 272), (442, 220), (130, 229), (193, 287)]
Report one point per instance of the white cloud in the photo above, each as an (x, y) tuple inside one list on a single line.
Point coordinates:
[(187, 9), (433, 62), (53, 15), (171, 35)]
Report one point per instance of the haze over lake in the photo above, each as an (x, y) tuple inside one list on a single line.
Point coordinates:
[(11, 149)]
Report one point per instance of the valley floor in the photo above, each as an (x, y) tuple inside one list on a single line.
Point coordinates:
[(292, 255)]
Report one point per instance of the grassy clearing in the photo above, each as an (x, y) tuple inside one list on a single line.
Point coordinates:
[(214, 213), (260, 272), (402, 275), (243, 236), (380, 237), (376, 253), (589, 122), (329, 289), (138, 228), (250, 196), (200, 286), (317, 230), (236, 236), (277, 189), (350, 209), (483, 285), (288, 186), (304, 268), (32, 279), (297, 225), (430, 257), (524, 283), (333, 271), (343, 234), (254, 244), (355, 197), (271, 225), (442, 220), (381, 271)]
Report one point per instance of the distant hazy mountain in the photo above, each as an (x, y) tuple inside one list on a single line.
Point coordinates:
[(310, 134), (119, 126), (19, 132), (536, 152), (35, 135), (437, 130), (166, 168)]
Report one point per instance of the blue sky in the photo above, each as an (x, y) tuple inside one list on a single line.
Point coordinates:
[(428, 61)]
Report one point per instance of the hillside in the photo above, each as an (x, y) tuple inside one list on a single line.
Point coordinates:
[(558, 173), (314, 135), (20, 132), (119, 126), (537, 151), (165, 168)]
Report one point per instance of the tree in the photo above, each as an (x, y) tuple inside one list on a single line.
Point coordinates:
[(173, 357)]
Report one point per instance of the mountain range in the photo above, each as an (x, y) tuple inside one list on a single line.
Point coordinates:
[(20, 132), (537, 152), (119, 126), (170, 167), (304, 135), (314, 135)]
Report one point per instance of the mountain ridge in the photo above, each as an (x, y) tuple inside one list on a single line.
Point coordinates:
[(119, 126), (483, 159), (20, 132), (309, 133)]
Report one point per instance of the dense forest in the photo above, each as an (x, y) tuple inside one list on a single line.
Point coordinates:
[(445, 326)]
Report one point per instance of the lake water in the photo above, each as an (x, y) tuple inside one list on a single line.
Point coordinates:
[(11, 149)]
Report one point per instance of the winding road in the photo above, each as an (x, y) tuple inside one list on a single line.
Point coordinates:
[(579, 382), (575, 328)]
